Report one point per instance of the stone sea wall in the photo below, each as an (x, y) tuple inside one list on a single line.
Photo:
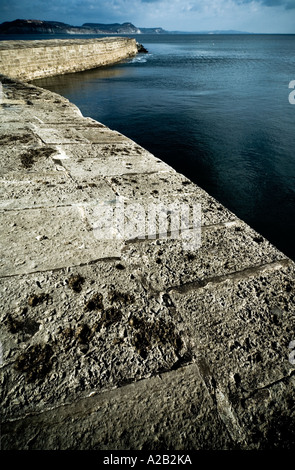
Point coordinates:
[(130, 342), (28, 60)]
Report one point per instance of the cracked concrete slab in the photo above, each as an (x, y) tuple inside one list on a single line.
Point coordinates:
[(47, 238), (225, 249), (110, 160), (252, 342), (73, 134), (156, 405)]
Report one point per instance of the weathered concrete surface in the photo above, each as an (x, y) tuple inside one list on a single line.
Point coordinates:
[(27, 60), (130, 343)]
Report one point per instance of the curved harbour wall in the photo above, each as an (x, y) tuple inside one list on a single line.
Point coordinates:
[(28, 60), (130, 342)]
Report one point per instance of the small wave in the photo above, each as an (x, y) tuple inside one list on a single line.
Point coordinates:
[(139, 59)]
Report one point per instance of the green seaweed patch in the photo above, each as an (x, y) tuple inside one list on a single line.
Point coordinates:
[(75, 282), (26, 326), (121, 297), (83, 334), (11, 138), (94, 303), (36, 299), (79, 336), (29, 158), (147, 334), (110, 316), (67, 336), (36, 362)]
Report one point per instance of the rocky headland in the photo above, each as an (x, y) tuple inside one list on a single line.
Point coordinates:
[(23, 26)]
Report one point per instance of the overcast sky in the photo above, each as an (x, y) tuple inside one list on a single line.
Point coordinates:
[(258, 16)]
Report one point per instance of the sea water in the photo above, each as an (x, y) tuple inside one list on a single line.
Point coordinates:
[(217, 108)]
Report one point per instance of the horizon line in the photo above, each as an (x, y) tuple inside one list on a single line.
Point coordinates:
[(208, 31)]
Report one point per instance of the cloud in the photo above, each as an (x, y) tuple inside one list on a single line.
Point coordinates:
[(287, 4), (189, 15)]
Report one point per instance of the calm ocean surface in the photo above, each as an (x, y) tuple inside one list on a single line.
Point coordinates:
[(216, 108)]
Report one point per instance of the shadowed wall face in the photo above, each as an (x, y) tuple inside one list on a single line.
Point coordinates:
[(28, 60)]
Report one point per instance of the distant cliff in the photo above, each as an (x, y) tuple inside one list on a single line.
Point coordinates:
[(56, 27), (115, 28)]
